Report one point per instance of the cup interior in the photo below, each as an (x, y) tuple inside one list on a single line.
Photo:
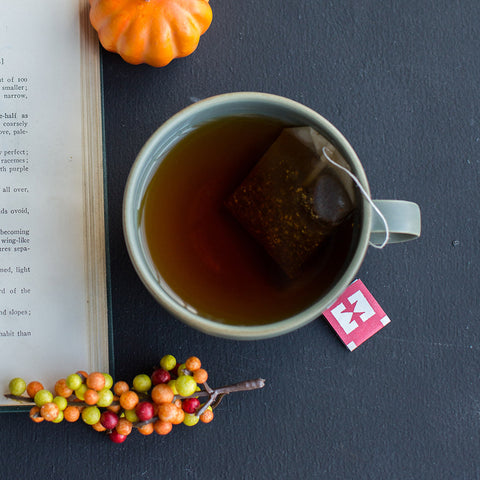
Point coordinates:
[(174, 130)]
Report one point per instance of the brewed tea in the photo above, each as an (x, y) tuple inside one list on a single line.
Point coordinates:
[(200, 249)]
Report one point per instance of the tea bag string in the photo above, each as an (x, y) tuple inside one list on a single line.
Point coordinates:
[(327, 153)]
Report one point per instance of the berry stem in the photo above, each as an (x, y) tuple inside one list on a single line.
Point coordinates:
[(236, 387), (71, 401), (214, 396), (20, 398), (242, 386)]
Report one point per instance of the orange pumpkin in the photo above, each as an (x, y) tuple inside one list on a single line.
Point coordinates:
[(150, 31)]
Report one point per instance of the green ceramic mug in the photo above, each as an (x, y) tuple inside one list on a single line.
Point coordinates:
[(403, 217)]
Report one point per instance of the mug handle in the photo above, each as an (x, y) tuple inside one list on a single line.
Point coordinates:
[(403, 219)]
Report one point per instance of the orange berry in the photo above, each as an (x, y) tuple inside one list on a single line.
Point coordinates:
[(167, 412), (162, 393), (114, 408), (96, 381), (124, 427), (49, 411), (33, 388), (35, 415), (98, 427), (200, 375), (61, 388), (179, 417), (162, 428), (193, 363), (128, 400), (206, 416), (91, 397), (146, 429), (71, 413), (178, 403), (120, 387)]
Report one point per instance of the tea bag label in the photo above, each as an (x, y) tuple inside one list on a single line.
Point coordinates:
[(356, 315)]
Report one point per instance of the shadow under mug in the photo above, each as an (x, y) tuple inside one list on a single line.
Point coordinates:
[(402, 217)]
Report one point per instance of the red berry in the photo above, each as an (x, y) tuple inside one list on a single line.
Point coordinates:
[(144, 411), (160, 376), (116, 437), (190, 405), (109, 420)]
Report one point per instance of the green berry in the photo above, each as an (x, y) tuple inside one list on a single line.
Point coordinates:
[(105, 398), (142, 383), (131, 416), (80, 391), (173, 386), (108, 380), (181, 369), (186, 385), (168, 362), (91, 415), (42, 397), (59, 418), (17, 386), (61, 402), (74, 381), (190, 419)]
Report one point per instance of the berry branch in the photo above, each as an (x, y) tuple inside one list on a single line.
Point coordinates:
[(170, 396)]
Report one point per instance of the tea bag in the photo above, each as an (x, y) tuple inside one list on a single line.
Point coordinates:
[(294, 198)]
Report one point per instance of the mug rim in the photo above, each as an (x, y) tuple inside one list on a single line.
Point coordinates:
[(132, 204)]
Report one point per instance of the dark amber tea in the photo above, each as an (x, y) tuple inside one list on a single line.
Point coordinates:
[(201, 250)]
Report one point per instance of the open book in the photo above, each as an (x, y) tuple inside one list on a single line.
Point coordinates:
[(53, 279)]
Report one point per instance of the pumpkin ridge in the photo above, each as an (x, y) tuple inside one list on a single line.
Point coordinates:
[(111, 31), (202, 15), (187, 30), (139, 29), (187, 39), (162, 41), (102, 13)]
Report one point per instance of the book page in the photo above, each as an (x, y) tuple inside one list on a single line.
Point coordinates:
[(45, 296)]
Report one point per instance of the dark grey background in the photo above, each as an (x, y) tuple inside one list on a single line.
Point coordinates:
[(400, 79)]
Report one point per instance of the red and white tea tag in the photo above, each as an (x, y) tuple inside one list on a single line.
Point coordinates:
[(356, 315)]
